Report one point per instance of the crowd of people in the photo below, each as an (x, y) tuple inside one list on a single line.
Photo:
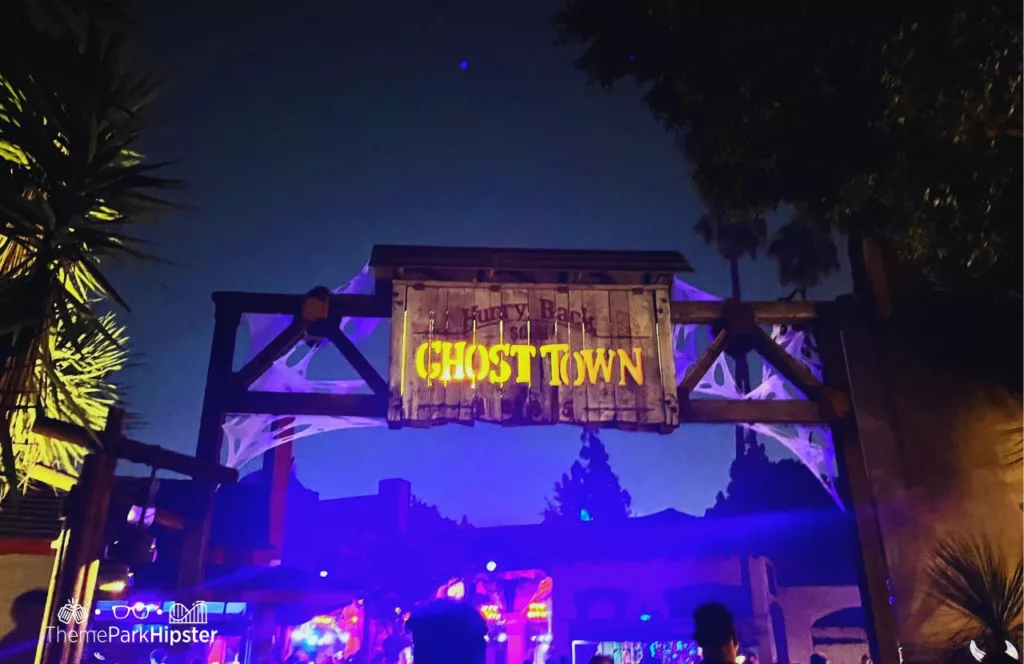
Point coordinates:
[(454, 633)]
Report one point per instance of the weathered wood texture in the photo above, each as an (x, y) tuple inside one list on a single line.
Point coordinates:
[(586, 318)]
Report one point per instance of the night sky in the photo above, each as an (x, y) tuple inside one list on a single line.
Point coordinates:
[(309, 131)]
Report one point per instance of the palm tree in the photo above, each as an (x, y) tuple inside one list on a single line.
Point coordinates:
[(735, 239), (977, 583), (71, 191), (805, 253)]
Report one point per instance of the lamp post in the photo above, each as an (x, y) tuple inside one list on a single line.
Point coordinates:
[(84, 532)]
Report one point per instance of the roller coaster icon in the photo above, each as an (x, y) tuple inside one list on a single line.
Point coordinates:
[(183, 614)]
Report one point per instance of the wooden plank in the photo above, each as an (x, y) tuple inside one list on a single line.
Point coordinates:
[(358, 361), (526, 260), (402, 357), (625, 397), (265, 358), (542, 402), (844, 342), (789, 367), (486, 405), (515, 396), (300, 403), (696, 371), (345, 304), (565, 334), (765, 313), (420, 395), (666, 357), (596, 306), (650, 404), (583, 339), (459, 317), (730, 411)]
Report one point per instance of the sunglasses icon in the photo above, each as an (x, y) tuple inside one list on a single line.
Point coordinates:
[(122, 611)]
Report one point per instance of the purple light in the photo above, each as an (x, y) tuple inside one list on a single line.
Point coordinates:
[(463, 65)]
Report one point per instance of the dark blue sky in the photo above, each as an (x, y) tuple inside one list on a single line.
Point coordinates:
[(309, 131)]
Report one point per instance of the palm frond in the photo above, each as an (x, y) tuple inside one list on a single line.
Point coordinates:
[(982, 587), (74, 381), (72, 187), (805, 253)]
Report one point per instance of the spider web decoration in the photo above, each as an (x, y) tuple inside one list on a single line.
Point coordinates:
[(249, 436), (811, 444)]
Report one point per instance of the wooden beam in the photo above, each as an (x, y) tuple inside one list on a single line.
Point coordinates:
[(270, 353), (715, 411), (345, 304), (837, 320), (531, 260), (703, 364), (210, 440), (791, 369), (307, 403), (358, 361), (136, 452), (765, 313)]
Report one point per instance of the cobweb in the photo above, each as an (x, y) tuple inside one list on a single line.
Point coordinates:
[(249, 436)]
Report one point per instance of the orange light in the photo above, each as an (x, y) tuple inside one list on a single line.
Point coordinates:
[(491, 612), (323, 620), (113, 586), (537, 611)]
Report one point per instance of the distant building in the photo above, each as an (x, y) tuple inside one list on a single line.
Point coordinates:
[(625, 586)]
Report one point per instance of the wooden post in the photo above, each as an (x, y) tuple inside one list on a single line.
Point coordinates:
[(86, 530), (208, 447), (855, 487)]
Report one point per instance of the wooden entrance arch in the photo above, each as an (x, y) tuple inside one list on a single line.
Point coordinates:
[(736, 326)]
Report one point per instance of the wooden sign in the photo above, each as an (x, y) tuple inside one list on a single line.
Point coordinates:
[(521, 354)]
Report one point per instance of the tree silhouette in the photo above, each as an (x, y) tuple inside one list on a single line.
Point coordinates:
[(734, 239), (903, 127), (590, 491), (760, 485), (424, 516), (805, 252), (74, 193), (789, 517)]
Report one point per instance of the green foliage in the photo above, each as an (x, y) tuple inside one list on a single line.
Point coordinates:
[(805, 253), (426, 517), (72, 188), (759, 485), (788, 516), (903, 126), (590, 491), (981, 587), (733, 238)]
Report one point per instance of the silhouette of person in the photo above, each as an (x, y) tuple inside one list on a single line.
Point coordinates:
[(446, 632), (601, 659), (866, 659), (19, 645), (818, 659), (715, 633)]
